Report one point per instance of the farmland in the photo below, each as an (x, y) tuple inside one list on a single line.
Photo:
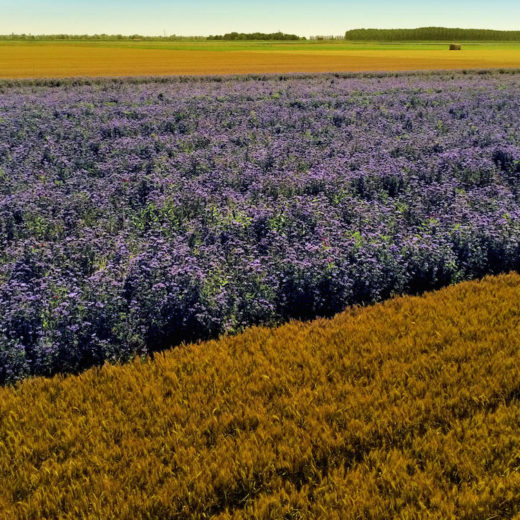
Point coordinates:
[(138, 214), (231, 287), (408, 409), (25, 59)]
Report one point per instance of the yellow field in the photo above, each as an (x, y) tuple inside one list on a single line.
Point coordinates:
[(68, 60), (407, 409)]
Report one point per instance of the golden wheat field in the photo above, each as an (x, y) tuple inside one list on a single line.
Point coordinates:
[(406, 409), (45, 59)]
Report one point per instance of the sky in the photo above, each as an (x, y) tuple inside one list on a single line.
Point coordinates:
[(204, 17)]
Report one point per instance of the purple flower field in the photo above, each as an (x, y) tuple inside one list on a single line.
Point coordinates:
[(136, 215)]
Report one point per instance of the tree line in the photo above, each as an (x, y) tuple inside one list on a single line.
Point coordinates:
[(431, 33), (100, 37), (256, 36), (137, 37), (419, 34)]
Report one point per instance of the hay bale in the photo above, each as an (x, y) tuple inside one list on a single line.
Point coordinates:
[(455, 47)]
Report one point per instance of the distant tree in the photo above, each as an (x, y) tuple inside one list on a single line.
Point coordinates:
[(234, 36), (98, 37)]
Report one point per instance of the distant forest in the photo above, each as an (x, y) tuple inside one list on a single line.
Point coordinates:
[(256, 36), (431, 33)]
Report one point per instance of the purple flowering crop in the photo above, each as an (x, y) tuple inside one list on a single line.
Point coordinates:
[(136, 215)]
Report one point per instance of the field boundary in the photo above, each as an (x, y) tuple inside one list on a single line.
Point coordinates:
[(74, 81)]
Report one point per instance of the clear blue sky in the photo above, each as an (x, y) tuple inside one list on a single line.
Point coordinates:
[(203, 17)]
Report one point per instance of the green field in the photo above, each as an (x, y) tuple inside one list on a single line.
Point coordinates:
[(302, 45)]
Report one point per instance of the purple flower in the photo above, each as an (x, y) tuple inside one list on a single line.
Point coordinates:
[(225, 207)]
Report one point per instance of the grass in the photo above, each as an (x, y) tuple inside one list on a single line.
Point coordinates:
[(226, 46), (22, 59), (406, 409)]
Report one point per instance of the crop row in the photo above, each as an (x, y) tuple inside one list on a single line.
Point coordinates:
[(408, 409), (134, 216)]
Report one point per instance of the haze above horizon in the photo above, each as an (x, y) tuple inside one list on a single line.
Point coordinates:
[(205, 17)]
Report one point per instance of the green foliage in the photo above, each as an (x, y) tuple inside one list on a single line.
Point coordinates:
[(431, 34), (277, 36)]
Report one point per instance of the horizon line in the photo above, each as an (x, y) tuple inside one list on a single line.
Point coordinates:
[(129, 35)]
